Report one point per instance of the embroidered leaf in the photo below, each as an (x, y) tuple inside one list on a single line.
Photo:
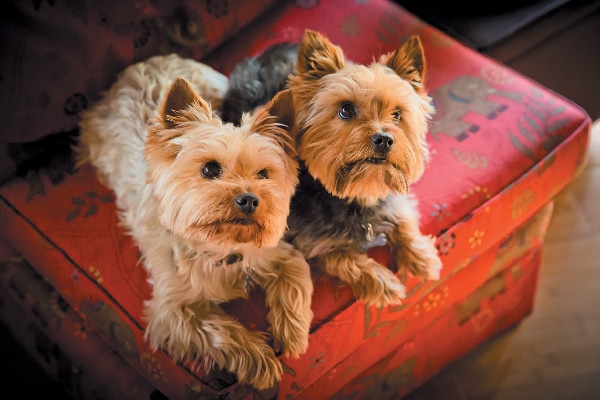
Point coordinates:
[(520, 146), (91, 195), (371, 334), (536, 103), (381, 325), (368, 317), (557, 125), (93, 209), (551, 142), (73, 214), (297, 387), (536, 111), (78, 201), (397, 308), (287, 369), (533, 124), (555, 111), (413, 290), (536, 92), (525, 132), (397, 328), (547, 164)]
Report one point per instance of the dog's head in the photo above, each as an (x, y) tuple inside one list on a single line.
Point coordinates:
[(219, 183), (361, 130)]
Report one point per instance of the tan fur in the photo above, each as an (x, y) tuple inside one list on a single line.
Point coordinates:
[(330, 145), (388, 97), (151, 138)]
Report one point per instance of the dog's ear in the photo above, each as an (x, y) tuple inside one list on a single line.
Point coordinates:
[(282, 108), (317, 56), (276, 120), (408, 62), (183, 103)]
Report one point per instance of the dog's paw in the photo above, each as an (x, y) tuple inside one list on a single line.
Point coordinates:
[(291, 338), (379, 286), (434, 267), (215, 340), (262, 370), (289, 298), (421, 258)]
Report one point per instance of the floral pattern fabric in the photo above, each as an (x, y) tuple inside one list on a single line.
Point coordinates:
[(57, 57), (502, 147)]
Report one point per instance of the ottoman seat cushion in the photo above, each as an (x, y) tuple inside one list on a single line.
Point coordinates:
[(502, 147)]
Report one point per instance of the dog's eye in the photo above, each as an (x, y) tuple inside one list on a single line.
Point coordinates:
[(263, 174), (347, 110), (212, 170), (397, 115)]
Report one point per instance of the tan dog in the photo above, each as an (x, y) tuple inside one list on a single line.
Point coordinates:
[(361, 139), (207, 204)]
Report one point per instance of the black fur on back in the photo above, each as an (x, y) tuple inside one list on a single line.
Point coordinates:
[(256, 80)]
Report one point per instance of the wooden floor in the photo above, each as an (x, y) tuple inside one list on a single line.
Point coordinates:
[(554, 354)]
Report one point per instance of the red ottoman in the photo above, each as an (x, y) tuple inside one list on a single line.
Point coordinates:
[(502, 147)]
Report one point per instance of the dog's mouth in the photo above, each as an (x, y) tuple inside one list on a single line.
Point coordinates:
[(376, 160), (221, 224), (241, 221)]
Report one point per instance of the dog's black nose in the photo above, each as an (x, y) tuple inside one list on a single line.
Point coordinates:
[(382, 142), (247, 202)]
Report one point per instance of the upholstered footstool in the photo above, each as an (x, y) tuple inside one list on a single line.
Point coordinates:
[(502, 147)]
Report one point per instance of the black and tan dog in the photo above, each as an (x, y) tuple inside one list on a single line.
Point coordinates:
[(360, 133)]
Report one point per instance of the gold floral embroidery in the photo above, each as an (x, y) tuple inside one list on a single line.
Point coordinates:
[(477, 190), (475, 240), (81, 330), (436, 299), (153, 366)]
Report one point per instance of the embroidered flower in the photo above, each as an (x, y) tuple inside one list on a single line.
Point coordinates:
[(440, 211), (446, 243), (477, 190), (153, 366), (81, 330), (317, 360), (475, 240), (417, 310), (436, 299)]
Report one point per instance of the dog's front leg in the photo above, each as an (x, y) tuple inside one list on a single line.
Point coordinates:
[(371, 282), (190, 327), (410, 248), (284, 275), (203, 333)]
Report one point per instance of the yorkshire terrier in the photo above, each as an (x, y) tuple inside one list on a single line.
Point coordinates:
[(360, 133), (206, 203)]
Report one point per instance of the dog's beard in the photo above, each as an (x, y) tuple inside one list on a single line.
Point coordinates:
[(232, 232), (369, 178), (348, 167), (362, 175)]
